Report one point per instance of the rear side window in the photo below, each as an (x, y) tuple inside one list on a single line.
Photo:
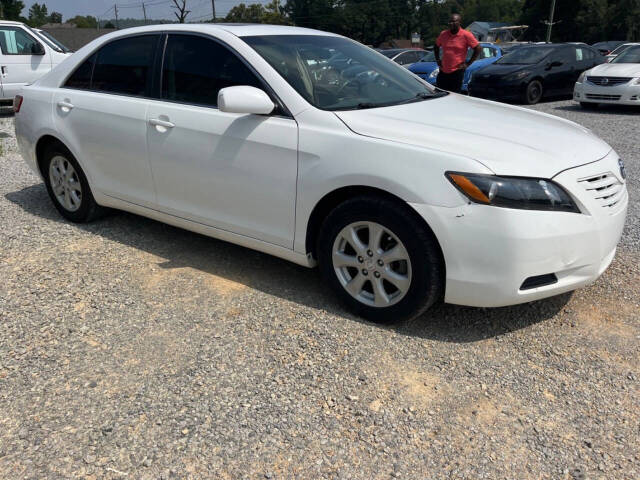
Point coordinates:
[(81, 78), (15, 41), (196, 68), (125, 66)]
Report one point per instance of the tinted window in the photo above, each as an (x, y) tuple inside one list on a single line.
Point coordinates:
[(15, 41), (124, 66), (565, 55), (403, 58), (196, 68), (81, 78), (526, 56)]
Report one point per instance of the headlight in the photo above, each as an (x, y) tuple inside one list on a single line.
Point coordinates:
[(435, 73), (517, 75), (582, 77), (513, 192)]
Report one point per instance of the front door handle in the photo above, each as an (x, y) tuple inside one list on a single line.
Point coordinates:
[(3, 71), (65, 105), (156, 122)]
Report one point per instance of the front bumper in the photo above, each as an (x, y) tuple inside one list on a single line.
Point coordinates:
[(496, 92), (490, 251), (626, 94)]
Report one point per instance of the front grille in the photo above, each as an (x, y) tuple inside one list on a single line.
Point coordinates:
[(605, 188), (612, 98), (608, 81)]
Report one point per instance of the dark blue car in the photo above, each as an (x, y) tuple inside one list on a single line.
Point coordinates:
[(428, 69)]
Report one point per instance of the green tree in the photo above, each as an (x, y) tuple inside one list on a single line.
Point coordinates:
[(84, 22), (108, 25), (242, 13), (55, 17), (38, 15), (11, 9), (274, 14)]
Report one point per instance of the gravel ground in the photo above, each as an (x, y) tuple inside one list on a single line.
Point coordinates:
[(131, 349)]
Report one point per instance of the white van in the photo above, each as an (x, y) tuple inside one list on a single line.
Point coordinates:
[(25, 55)]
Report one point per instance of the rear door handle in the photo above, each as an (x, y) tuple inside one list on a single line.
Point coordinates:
[(3, 70), (156, 122), (65, 106)]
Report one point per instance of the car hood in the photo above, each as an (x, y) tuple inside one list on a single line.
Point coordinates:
[(423, 67), (616, 70), (500, 69), (508, 140)]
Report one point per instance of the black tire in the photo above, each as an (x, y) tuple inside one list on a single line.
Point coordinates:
[(426, 263), (533, 93), (588, 105), (88, 209)]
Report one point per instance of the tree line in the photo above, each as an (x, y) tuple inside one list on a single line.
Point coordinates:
[(375, 21)]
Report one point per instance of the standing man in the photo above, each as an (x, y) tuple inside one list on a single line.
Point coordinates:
[(454, 44)]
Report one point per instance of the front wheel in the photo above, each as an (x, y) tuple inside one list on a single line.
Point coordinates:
[(533, 93), (383, 262)]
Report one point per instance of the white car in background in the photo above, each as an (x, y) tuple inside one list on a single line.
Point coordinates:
[(616, 83), (25, 56), (314, 148)]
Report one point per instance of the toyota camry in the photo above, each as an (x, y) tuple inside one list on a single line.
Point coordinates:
[(314, 148)]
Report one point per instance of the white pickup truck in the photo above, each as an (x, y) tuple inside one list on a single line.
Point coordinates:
[(25, 55)]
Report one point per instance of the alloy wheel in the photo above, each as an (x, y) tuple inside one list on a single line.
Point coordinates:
[(372, 264), (65, 183)]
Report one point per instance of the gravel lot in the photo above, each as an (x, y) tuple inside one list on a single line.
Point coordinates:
[(131, 349)]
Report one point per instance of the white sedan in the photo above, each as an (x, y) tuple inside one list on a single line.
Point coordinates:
[(311, 147), (615, 83)]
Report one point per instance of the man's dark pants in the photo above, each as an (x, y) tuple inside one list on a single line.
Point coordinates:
[(451, 82)]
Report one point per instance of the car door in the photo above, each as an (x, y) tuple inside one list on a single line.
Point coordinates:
[(558, 76), (24, 59), (236, 172), (101, 113)]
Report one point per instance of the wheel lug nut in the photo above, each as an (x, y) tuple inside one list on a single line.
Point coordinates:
[(360, 259), (365, 272), (370, 253), (376, 274), (380, 262)]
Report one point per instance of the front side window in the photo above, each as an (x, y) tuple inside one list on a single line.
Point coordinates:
[(15, 41), (631, 55), (195, 68), (361, 79), (124, 66)]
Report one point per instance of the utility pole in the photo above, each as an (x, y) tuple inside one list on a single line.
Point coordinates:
[(144, 12), (550, 23), (115, 9), (213, 8)]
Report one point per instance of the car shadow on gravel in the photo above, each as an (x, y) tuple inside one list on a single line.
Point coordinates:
[(181, 248), (602, 109)]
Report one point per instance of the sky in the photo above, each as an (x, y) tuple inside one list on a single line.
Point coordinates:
[(156, 9)]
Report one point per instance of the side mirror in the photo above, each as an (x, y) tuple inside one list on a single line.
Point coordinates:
[(244, 99), (37, 49)]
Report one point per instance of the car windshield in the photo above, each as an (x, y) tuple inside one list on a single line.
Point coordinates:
[(335, 73), (389, 53), (630, 55), (525, 56), (429, 57), (51, 41), (619, 49)]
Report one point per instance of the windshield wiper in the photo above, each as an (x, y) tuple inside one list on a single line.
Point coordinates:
[(422, 96)]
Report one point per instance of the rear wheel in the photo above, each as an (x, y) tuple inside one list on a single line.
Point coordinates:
[(533, 93), (67, 185), (381, 260)]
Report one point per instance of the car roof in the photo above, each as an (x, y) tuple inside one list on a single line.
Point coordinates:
[(10, 22), (237, 29)]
